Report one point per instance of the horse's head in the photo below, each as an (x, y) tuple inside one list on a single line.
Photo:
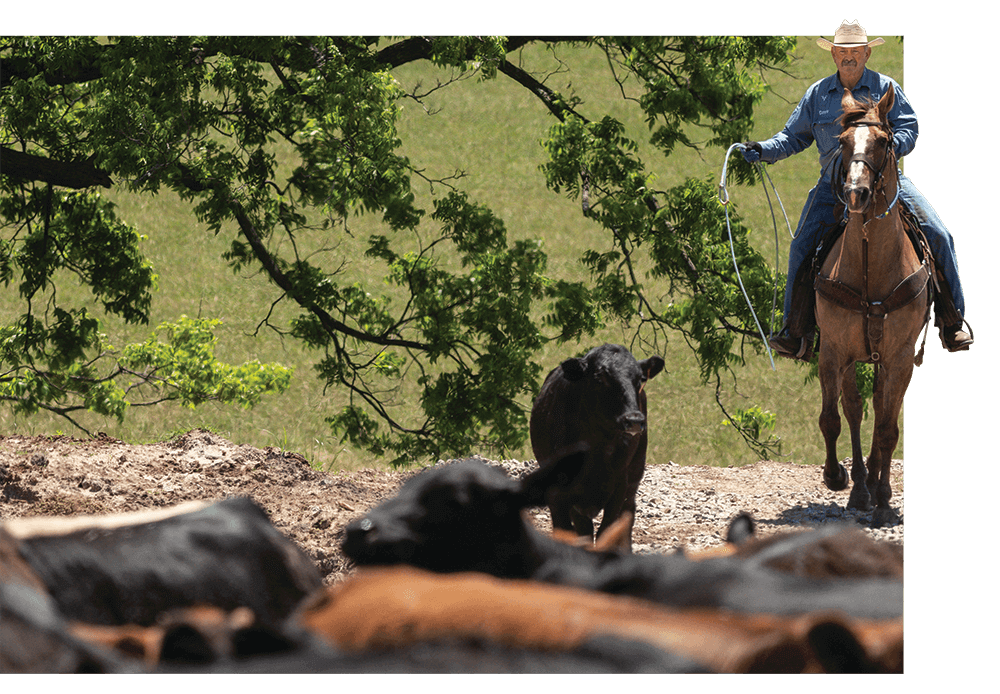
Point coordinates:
[(866, 147)]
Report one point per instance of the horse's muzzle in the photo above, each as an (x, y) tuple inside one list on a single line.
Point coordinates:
[(858, 198)]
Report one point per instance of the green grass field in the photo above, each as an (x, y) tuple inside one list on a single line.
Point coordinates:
[(493, 132)]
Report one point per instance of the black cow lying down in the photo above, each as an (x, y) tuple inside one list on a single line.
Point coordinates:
[(836, 549), (466, 516), (131, 568)]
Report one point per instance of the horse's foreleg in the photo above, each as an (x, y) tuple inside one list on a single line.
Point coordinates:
[(853, 411), (830, 376), (887, 403)]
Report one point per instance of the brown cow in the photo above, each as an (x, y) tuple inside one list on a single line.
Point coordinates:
[(400, 606), (191, 638)]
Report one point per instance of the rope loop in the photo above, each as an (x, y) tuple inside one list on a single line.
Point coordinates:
[(724, 199)]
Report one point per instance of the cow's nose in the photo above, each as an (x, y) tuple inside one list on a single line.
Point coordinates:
[(360, 532), (633, 423)]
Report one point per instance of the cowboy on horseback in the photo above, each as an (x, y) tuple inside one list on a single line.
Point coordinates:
[(816, 118)]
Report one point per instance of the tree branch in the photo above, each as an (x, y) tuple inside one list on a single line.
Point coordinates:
[(83, 70), (328, 322), (73, 174), (419, 48), (547, 96)]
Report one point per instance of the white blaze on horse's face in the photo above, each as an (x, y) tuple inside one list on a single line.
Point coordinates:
[(858, 183)]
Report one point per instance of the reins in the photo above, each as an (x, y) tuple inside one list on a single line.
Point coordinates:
[(724, 199)]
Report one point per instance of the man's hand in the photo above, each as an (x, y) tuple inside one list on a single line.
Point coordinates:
[(752, 151)]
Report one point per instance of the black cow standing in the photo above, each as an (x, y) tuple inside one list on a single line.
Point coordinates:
[(596, 401)]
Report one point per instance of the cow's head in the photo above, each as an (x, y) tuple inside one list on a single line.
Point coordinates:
[(615, 383), (457, 517)]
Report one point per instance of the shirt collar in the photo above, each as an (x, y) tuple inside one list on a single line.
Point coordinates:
[(867, 80)]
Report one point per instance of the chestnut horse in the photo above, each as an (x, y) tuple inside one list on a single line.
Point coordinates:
[(872, 300)]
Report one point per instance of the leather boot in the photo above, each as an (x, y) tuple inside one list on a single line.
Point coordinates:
[(798, 336), (787, 345), (955, 339), (950, 322), (801, 318)]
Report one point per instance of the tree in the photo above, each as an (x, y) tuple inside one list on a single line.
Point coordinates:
[(202, 117)]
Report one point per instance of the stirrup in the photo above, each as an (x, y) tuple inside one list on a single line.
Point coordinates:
[(781, 343), (962, 346)]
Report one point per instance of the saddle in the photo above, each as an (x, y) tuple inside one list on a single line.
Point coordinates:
[(810, 281)]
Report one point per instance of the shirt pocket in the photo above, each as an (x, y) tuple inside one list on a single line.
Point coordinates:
[(827, 134)]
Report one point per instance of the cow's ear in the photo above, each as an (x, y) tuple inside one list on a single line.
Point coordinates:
[(574, 369), (652, 366), (560, 472), (741, 529)]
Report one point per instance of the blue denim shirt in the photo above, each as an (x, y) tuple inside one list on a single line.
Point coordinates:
[(815, 119)]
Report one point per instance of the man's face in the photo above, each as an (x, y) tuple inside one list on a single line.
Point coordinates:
[(850, 62)]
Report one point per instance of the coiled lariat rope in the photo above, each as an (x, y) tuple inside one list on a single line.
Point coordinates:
[(724, 199)]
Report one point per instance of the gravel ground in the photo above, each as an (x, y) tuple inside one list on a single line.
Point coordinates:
[(678, 506), (691, 506)]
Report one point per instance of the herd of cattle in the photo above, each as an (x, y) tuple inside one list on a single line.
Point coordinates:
[(451, 576)]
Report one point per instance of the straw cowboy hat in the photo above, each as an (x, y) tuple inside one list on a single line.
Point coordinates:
[(848, 36)]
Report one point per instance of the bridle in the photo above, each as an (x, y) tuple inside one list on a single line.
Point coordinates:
[(873, 310), (877, 171)]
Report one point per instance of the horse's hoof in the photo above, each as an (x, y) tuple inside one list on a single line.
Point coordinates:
[(838, 483), (883, 517), (860, 499)]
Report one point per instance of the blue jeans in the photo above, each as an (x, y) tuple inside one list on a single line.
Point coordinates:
[(818, 215)]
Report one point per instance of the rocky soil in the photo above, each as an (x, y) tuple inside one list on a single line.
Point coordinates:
[(679, 506)]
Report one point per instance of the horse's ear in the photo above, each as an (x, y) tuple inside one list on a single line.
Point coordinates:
[(885, 104), (847, 102)]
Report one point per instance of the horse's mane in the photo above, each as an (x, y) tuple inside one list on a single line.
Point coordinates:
[(860, 109)]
